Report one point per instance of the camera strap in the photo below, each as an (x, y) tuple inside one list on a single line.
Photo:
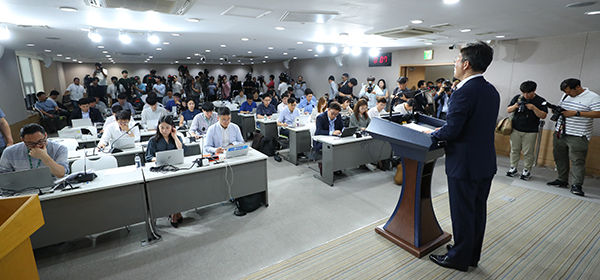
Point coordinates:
[(563, 121)]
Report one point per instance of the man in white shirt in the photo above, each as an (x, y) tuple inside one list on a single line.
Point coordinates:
[(284, 102), (114, 89), (154, 112), (222, 134), (101, 74), (283, 86), (118, 128), (406, 107), (76, 91), (375, 111), (177, 87)]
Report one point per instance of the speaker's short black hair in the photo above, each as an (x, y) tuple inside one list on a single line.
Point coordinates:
[(123, 115), (31, 128), (528, 86), (479, 54), (571, 83), (335, 106)]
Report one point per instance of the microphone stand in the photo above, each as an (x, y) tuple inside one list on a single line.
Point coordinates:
[(115, 150)]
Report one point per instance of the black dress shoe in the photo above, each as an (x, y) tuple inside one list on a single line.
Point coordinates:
[(180, 220), (558, 183), (576, 190), (445, 261), (449, 247)]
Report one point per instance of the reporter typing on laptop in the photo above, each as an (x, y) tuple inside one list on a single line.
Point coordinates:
[(165, 139), (222, 134), (117, 129)]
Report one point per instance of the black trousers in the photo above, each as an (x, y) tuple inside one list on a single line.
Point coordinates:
[(468, 210), (52, 123)]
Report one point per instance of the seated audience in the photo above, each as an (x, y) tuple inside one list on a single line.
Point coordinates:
[(154, 112), (101, 106), (329, 123), (203, 121), (165, 139), (155, 96), (320, 108), (85, 111), (122, 100), (50, 111), (265, 109), (378, 109), (174, 103), (360, 118), (116, 129), (283, 104), (167, 98), (54, 95), (222, 134), (288, 116), (308, 103), (248, 106), (239, 97), (406, 107), (190, 113), (35, 151), (346, 110)]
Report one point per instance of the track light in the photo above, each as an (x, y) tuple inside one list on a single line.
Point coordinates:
[(356, 51), (94, 35), (124, 37), (152, 38), (320, 48)]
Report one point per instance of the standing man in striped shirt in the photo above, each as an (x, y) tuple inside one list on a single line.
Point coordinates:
[(573, 133)]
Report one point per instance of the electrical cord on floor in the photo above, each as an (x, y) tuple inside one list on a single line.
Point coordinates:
[(170, 168), (227, 179)]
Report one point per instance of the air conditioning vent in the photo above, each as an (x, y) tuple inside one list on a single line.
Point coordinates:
[(173, 7), (131, 54), (34, 26), (406, 32)]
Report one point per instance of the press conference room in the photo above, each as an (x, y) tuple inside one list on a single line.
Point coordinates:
[(186, 139)]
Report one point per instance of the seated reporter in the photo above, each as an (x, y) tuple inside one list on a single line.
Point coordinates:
[(309, 103), (248, 106), (50, 111), (85, 111), (116, 129), (203, 121), (35, 151), (329, 123), (222, 134), (265, 109), (190, 113), (165, 139), (360, 117), (288, 116)]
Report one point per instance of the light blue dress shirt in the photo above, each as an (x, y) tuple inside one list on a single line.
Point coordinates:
[(308, 106), (214, 137), (288, 117)]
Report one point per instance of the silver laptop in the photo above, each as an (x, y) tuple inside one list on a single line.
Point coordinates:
[(82, 122), (125, 142), (172, 157), (302, 120), (152, 124), (31, 178), (237, 150), (253, 111), (275, 116)]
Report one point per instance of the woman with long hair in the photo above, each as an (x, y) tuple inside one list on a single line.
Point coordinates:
[(321, 107), (360, 118), (190, 113)]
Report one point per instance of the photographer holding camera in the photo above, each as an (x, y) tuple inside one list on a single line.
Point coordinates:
[(528, 109), (442, 98), (575, 113)]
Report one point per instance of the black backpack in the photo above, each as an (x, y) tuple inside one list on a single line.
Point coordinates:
[(268, 146), (247, 204)]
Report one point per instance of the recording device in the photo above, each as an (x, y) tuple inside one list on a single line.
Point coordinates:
[(447, 89), (261, 78), (433, 88), (369, 88), (522, 105), (115, 150), (557, 111)]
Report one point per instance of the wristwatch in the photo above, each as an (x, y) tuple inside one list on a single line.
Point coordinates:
[(578, 114)]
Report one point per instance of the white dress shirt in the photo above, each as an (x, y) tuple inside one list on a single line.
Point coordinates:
[(113, 131)]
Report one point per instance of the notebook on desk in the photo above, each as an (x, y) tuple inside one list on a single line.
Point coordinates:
[(172, 157), (81, 122), (31, 178)]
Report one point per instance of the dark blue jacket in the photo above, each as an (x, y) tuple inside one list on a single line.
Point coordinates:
[(95, 115), (469, 131), (439, 100), (266, 111), (322, 127)]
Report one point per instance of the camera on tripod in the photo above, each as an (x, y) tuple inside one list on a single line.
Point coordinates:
[(557, 111)]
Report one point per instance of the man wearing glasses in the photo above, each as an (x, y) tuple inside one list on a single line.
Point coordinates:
[(116, 129), (35, 151)]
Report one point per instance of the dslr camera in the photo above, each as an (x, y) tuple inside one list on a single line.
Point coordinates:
[(447, 89), (369, 88), (557, 111), (522, 105)]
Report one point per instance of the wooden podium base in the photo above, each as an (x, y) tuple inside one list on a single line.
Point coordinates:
[(417, 252)]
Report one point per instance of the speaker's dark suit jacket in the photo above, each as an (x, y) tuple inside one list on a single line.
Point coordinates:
[(95, 115), (322, 127), (470, 163)]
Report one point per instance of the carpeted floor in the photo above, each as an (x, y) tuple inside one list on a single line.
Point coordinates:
[(530, 235)]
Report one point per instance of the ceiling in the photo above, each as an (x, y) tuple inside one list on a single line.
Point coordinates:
[(487, 19)]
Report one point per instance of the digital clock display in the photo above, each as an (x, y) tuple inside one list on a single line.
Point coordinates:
[(383, 59)]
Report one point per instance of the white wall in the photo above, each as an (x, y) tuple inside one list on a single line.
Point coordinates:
[(11, 93)]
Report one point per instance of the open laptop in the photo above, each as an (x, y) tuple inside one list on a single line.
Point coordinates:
[(172, 157), (275, 116), (82, 122), (124, 143), (237, 150), (152, 124), (31, 178), (302, 120), (253, 111), (348, 131)]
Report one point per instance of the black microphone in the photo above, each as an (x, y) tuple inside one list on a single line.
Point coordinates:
[(115, 150)]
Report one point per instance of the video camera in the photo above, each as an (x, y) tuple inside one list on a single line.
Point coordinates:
[(557, 111)]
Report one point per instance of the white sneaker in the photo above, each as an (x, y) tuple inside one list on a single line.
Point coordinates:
[(526, 175), (511, 172)]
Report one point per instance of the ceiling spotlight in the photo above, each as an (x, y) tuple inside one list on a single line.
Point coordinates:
[(500, 36), (104, 51), (347, 50), (68, 9), (101, 47), (125, 39), (206, 50), (67, 58), (295, 57), (31, 45), (299, 43), (373, 52), (245, 39), (94, 35), (108, 55), (270, 48), (80, 61), (249, 51), (150, 56), (450, 1), (159, 49), (223, 46), (429, 43), (4, 33), (166, 43), (189, 57), (591, 13), (333, 49), (193, 19), (310, 50), (356, 51), (48, 50), (74, 59), (416, 21), (465, 30), (59, 54), (152, 38), (176, 61), (266, 56), (264, 61), (320, 48), (280, 28), (175, 34), (285, 53), (316, 55)]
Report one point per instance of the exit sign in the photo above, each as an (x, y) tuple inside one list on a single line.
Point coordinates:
[(428, 55)]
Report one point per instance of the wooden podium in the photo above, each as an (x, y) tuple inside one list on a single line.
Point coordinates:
[(19, 218), (413, 225)]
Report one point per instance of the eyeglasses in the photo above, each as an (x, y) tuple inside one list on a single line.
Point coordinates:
[(35, 144), (123, 123)]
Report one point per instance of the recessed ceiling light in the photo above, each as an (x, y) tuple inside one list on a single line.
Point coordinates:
[(175, 34), (84, 29), (344, 34), (193, 19), (223, 46), (31, 45), (295, 57), (67, 57), (251, 59), (252, 62), (48, 50), (239, 60), (229, 62), (113, 62), (264, 61), (242, 63), (189, 57), (80, 61), (108, 55), (429, 43), (104, 51), (591, 13), (207, 50), (416, 21), (333, 49), (152, 38), (284, 53), (94, 35), (320, 48), (159, 49), (316, 55), (245, 39), (124, 37), (101, 47), (197, 63), (58, 54), (68, 9), (233, 55), (280, 28), (150, 56), (310, 50), (346, 50), (249, 51), (270, 48), (373, 52), (465, 30), (500, 36), (146, 61), (299, 43), (74, 59), (266, 56), (450, 1), (166, 43), (356, 51)]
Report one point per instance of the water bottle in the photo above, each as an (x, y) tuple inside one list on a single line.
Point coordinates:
[(138, 161)]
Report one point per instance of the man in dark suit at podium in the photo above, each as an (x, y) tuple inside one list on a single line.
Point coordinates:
[(470, 154)]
